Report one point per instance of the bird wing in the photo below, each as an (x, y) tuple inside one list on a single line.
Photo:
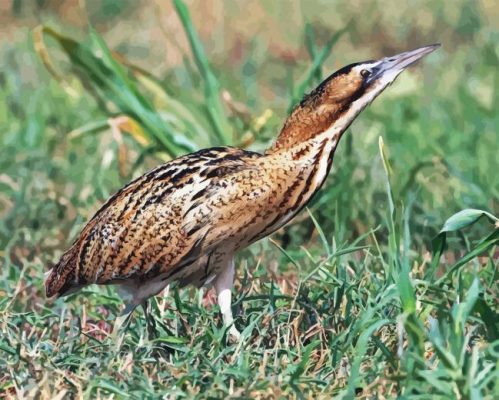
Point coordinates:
[(161, 221)]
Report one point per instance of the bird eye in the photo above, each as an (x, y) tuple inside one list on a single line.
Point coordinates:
[(365, 73)]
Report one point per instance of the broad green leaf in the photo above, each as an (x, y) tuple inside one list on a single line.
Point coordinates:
[(465, 218)]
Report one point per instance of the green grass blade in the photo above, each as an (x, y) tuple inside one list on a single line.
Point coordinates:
[(110, 81), (360, 351), (488, 243), (300, 88), (213, 100), (324, 241), (312, 49)]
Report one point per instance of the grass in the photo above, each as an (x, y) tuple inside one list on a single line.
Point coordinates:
[(386, 286)]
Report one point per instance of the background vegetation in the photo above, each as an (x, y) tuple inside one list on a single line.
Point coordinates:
[(359, 296)]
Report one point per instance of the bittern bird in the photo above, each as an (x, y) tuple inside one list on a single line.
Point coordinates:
[(184, 220)]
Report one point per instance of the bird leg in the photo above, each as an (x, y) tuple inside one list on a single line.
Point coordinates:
[(224, 282), (152, 333)]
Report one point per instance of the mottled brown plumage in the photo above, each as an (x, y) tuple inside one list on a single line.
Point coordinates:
[(184, 220)]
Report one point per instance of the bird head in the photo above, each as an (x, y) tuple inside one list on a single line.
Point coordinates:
[(335, 103), (357, 85)]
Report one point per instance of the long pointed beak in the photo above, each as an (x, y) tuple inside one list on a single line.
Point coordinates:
[(403, 60)]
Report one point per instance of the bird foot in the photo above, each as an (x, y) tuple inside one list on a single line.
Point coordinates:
[(234, 335)]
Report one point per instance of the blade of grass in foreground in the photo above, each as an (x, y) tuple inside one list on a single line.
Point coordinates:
[(361, 349), (400, 271)]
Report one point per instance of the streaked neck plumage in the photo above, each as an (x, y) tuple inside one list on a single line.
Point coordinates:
[(313, 132), (312, 121)]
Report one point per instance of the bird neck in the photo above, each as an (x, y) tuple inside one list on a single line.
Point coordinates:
[(312, 135), (310, 123), (309, 139), (313, 123)]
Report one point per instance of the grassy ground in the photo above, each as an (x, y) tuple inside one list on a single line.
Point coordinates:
[(357, 297)]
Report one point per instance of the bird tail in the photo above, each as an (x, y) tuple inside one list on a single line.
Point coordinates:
[(62, 278)]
